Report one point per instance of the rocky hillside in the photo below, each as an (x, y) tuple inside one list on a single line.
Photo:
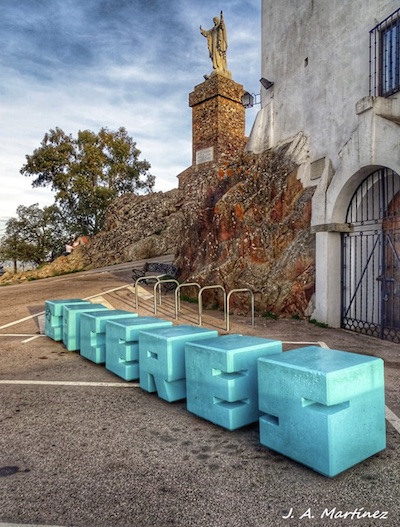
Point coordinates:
[(139, 227), (244, 224), (77, 261)]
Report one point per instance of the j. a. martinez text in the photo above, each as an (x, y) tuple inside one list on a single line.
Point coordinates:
[(334, 514)]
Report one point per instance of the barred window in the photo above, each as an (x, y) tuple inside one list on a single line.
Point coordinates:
[(384, 75)]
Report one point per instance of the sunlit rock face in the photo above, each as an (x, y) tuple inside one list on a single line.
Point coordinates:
[(246, 225)]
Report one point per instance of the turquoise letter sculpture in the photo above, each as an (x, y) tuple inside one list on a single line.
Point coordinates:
[(221, 377), (323, 408)]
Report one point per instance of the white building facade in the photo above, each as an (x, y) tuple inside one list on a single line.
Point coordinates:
[(335, 100)]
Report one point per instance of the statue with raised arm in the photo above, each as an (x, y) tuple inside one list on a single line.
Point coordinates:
[(217, 42)]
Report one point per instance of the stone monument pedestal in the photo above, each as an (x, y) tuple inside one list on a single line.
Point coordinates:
[(218, 123)]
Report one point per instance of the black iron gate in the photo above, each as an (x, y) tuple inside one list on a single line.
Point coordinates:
[(371, 258)]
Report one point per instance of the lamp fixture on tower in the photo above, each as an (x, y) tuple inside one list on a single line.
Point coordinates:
[(265, 83)]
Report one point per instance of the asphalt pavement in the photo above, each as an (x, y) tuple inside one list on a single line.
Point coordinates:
[(80, 447)]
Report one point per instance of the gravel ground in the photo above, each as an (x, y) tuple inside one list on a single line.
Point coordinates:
[(112, 455)]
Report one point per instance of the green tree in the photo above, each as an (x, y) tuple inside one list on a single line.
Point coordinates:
[(12, 246), (87, 173), (35, 236)]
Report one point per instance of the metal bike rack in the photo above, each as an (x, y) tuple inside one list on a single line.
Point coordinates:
[(201, 303), (142, 279), (160, 283), (227, 305), (178, 296)]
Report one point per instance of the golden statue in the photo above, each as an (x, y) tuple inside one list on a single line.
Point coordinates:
[(217, 42)]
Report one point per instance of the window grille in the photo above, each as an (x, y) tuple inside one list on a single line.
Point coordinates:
[(384, 57)]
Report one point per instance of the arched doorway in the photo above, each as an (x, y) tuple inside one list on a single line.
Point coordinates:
[(371, 258)]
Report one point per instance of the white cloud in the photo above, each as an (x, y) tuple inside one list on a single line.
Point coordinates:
[(83, 66)]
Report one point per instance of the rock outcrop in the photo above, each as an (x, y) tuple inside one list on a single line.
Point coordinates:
[(244, 224), (247, 226), (138, 227)]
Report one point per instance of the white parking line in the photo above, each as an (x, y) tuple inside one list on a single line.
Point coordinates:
[(297, 342), (101, 300), (319, 343), (72, 383), (20, 335), (21, 320), (393, 419), (25, 525), (31, 338)]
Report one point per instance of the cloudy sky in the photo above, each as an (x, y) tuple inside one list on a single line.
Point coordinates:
[(87, 64)]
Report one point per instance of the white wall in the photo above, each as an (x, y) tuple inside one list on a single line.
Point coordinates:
[(317, 54)]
